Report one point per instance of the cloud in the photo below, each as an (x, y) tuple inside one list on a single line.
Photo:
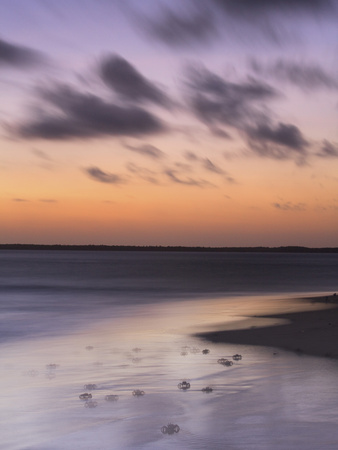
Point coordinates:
[(191, 156), (282, 141), (147, 150), (286, 135), (305, 76), (242, 106), (20, 200), (188, 181), (328, 150), (126, 81), (217, 101), (182, 27), (70, 114), (143, 173), (289, 206), (41, 155), (98, 175), (18, 56), (195, 22), (209, 165)]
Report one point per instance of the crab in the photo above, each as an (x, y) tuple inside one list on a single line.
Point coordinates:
[(91, 404), (207, 389), (184, 385), (237, 357), (170, 429), (225, 362), (52, 366), (111, 398), (138, 393), (205, 351), (90, 387), (85, 396)]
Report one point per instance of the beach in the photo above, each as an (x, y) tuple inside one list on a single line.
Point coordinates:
[(122, 322), (311, 332)]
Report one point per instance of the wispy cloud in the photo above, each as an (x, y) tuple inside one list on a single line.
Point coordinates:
[(147, 150), (175, 177), (41, 155), (328, 150), (209, 165), (289, 206), (48, 200), (144, 173), (103, 177), (306, 76)]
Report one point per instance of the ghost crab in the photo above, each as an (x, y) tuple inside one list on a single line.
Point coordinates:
[(225, 362), (138, 393), (184, 385), (170, 429)]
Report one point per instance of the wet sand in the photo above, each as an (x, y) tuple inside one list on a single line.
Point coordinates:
[(313, 332)]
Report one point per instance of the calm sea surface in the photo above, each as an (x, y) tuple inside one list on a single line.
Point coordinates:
[(124, 321)]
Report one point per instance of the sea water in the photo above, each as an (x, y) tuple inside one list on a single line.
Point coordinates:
[(125, 321)]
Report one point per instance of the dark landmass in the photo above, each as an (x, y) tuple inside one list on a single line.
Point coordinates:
[(150, 248), (312, 332)]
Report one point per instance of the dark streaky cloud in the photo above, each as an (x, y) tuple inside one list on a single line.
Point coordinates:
[(177, 28), (125, 80), (17, 55), (283, 134), (103, 177), (217, 101), (282, 141), (80, 115), (305, 76), (241, 106), (196, 22)]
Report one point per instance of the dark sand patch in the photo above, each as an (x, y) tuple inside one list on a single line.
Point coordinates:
[(305, 332)]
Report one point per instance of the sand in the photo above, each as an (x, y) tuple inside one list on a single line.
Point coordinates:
[(307, 332)]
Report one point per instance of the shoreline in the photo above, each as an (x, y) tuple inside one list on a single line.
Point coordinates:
[(313, 333)]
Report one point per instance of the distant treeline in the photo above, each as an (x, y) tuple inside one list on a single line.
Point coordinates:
[(155, 248)]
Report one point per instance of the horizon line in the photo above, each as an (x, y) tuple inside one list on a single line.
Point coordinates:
[(105, 247)]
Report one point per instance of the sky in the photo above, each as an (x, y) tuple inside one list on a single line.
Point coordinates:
[(193, 123)]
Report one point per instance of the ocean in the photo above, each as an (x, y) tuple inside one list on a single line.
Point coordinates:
[(113, 323)]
